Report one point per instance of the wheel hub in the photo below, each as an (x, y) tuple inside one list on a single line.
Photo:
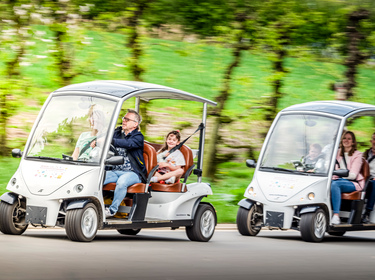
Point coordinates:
[(320, 225), (207, 223), (89, 222)]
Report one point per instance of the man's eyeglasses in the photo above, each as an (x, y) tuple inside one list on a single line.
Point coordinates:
[(127, 119)]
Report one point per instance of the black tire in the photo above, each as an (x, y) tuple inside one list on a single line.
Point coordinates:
[(313, 226), (203, 225), (248, 221), (82, 224), (337, 233), (129, 231), (13, 218)]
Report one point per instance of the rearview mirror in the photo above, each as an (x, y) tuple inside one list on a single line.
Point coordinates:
[(341, 172), (251, 163)]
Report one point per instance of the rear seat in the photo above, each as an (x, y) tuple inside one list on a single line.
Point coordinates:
[(178, 186), (358, 195)]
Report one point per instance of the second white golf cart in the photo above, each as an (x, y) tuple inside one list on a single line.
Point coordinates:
[(286, 191), (52, 187)]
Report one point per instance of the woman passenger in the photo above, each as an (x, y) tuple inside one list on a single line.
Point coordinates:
[(347, 158)]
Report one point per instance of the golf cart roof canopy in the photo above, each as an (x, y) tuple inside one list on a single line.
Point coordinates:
[(145, 91), (338, 108)]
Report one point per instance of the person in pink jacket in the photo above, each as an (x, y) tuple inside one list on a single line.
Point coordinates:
[(347, 158)]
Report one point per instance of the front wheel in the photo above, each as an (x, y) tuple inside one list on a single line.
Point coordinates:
[(13, 217), (313, 226), (204, 224), (129, 231), (82, 224), (249, 222)]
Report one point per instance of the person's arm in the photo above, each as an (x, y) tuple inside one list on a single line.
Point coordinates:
[(356, 164), (75, 153), (133, 142), (170, 166), (178, 158)]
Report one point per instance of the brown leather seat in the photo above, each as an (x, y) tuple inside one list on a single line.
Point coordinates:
[(356, 195), (177, 186), (149, 155)]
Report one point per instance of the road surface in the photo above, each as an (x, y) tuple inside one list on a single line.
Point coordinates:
[(166, 254)]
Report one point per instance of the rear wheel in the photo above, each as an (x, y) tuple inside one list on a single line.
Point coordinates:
[(82, 224), (129, 231), (204, 224), (13, 217), (313, 226), (249, 222)]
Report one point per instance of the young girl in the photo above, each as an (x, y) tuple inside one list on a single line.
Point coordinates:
[(170, 164)]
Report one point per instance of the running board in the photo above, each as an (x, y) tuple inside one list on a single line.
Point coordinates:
[(125, 224), (352, 227)]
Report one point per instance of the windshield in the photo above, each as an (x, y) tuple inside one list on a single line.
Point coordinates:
[(72, 128), (301, 143)]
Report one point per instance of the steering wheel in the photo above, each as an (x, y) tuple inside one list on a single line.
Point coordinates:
[(113, 150)]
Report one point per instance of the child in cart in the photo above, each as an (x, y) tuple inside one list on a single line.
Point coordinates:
[(311, 160), (170, 164)]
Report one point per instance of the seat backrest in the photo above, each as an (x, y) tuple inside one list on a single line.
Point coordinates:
[(185, 150), (365, 169), (188, 155), (149, 155)]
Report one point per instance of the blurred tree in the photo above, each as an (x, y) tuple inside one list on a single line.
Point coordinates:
[(355, 56), (64, 20), (93, 9), (238, 35), (349, 35), (14, 42), (200, 17), (278, 21), (134, 14)]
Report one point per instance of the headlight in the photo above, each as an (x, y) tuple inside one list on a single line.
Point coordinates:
[(311, 196), (250, 190)]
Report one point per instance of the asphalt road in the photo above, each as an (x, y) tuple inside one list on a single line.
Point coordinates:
[(165, 254)]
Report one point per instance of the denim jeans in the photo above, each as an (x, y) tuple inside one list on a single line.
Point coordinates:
[(123, 180), (371, 195), (337, 187)]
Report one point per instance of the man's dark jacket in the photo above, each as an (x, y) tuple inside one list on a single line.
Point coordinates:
[(133, 143)]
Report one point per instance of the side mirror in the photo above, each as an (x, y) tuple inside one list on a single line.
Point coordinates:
[(341, 172), (16, 153), (251, 163), (116, 160)]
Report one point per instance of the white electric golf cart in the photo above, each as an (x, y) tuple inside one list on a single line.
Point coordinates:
[(53, 188), (287, 192)]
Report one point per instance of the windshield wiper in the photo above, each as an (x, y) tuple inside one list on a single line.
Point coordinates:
[(279, 169), (50, 158)]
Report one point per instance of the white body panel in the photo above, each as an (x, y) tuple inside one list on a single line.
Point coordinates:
[(281, 192), (176, 206), (43, 184)]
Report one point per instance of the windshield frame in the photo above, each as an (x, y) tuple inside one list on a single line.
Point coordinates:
[(335, 143), (111, 123)]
